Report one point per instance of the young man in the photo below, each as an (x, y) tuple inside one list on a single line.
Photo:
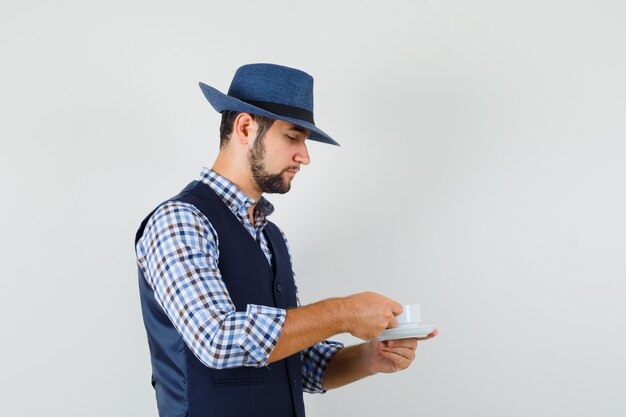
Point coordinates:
[(219, 302)]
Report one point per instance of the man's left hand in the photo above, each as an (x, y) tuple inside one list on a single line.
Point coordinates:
[(391, 355)]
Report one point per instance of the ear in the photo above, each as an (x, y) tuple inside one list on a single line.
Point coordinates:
[(244, 128)]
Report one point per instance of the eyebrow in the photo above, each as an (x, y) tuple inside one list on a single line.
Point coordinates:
[(298, 128)]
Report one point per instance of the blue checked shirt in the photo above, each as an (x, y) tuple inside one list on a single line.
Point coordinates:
[(178, 256)]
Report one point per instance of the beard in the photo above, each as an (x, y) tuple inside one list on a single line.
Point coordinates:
[(267, 182)]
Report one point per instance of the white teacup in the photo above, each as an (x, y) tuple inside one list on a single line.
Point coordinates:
[(411, 314)]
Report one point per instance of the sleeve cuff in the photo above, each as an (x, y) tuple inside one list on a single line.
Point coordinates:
[(260, 333), (315, 360)]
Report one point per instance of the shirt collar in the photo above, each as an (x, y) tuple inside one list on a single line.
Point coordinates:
[(232, 196)]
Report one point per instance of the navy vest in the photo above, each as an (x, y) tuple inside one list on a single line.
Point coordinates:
[(184, 386)]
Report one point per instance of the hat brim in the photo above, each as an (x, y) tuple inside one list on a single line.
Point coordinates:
[(221, 102)]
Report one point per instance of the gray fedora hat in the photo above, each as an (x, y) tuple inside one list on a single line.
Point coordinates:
[(273, 91)]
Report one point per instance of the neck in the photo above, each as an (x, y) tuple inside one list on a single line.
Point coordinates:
[(238, 175)]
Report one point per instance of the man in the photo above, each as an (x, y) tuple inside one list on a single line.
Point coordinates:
[(226, 334)]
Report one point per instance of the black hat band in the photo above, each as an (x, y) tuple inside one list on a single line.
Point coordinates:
[(283, 110)]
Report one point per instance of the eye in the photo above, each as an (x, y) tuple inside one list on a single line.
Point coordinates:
[(291, 137)]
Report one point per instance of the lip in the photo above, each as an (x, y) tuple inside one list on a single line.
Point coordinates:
[(292, 172)]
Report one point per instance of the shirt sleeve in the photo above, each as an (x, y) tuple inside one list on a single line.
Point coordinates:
[(314, 362), (316, 358), (178, 255)]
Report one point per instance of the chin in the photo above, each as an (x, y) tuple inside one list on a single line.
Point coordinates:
[(286, 189)]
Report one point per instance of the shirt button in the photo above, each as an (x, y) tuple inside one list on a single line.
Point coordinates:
[(279, 288)]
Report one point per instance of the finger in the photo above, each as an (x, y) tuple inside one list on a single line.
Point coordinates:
[(408, 343), (396, 308), (399, 361), (397, 355), (404, 352), (393, 323)]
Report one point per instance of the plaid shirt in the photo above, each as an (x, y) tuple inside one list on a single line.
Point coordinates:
[(178, 255)]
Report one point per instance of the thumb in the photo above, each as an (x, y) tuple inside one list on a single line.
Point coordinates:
[(397, 308)]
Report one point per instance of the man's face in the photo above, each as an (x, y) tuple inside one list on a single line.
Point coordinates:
[(275, 158)]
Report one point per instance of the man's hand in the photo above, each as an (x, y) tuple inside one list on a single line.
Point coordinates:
[(360, 361), (363, 315), (367, 314), (391, 355)]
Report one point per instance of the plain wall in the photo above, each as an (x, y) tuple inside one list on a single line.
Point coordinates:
[(481, 174)]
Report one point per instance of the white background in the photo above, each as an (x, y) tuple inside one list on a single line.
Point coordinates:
[(481, 175)]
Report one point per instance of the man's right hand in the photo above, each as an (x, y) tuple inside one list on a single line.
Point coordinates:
[(363, 315), (367, 314)]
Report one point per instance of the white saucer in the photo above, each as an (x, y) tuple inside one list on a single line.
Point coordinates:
[(406, 331)]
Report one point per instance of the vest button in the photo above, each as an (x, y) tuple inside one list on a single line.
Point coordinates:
[(293, 382), (279, 288)]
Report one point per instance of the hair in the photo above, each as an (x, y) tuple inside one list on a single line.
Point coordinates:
[(228, 120)]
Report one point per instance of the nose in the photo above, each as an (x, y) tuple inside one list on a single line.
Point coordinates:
[(302, 155)]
